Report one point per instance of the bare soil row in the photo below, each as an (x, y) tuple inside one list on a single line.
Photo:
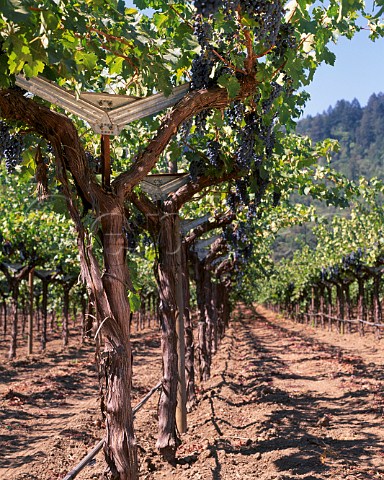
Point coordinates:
[(285, 401)]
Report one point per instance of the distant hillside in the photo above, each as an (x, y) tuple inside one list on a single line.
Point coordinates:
[(360, 131)]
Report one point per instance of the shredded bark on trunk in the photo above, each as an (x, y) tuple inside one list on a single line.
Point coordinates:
[(168, 440)]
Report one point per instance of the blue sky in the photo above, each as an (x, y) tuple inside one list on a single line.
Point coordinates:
[(358, 72)]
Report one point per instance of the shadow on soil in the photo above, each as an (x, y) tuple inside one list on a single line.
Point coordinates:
[(295, 426), (41, 389)]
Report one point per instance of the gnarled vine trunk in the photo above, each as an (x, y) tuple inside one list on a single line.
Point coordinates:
[(14, 317), (214, 317), (361, 309), (188, 335), (168, 244), (14, 286), (65, 327), (377, 311), (207, 289), (44, 307), (340, 307), (348, 306), (204, 326), (112, 308)]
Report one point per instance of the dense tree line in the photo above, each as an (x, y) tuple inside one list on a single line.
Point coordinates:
[(360, 132)]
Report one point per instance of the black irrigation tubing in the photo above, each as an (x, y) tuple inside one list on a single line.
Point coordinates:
[(75, 471)]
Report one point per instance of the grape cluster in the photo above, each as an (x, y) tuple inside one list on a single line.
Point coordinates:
[(256, 129), (213, 153), (133, 229), (275, 92), (267, 136), (131, 239), (227, 233), (7, 248), (242, 190), (232, 201), (285, 40), (203, 63), (246, 151), (353, 260), (93, 162), (201, 70), (11, 147), (203, 32), (5, 137), (276, 198), (185, 128), (329, 273), (230, 7), (23, 251), (197, 168), (201, 121), (262, 183), (207, 7), (235, 114), (251, 211), (239, 241), (268, 14)]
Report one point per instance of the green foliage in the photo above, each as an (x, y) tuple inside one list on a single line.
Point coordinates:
[(346, 247), (33, 231)]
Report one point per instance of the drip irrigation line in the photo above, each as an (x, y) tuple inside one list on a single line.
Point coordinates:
[(75, 471)]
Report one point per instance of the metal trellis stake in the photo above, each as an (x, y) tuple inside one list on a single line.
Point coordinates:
[(106, 113)]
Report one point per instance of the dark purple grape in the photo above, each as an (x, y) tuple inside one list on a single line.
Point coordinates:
[(11, 147), (207, 7)]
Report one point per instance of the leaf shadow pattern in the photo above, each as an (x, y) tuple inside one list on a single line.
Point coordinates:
[(301, 447)]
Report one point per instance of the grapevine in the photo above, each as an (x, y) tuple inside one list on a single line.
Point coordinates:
[(207, 7), (11, 147)]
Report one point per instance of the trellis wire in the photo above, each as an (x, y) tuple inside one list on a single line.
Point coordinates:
[(75, 471), (346, 320)]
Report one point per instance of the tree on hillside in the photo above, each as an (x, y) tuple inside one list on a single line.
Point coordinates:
[(359, 130), (245, 62), (371, 126)]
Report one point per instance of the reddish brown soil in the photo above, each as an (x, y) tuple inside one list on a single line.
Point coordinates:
[(285, 401)]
